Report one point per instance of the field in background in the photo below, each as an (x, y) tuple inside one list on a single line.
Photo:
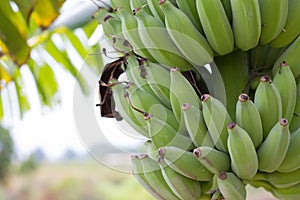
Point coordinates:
[(81, 180)]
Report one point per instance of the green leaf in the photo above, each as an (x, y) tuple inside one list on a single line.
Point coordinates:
[(94, 60), (1, 107), (25, 7), (45, 81), (14, 40), (90, 28), (62, 58), (76, 44), (18, 82), (46, 11)]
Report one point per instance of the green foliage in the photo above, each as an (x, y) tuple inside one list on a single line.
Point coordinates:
[(6, 151)]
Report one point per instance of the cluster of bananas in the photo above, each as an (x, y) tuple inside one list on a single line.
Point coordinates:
[(202, 145)]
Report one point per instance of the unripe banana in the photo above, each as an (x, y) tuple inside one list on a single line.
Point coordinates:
[(189, 8), (295, 124), (187, 38), (273, 150), (210, 186), (244, 161), (216, 118), (136, 74), (229, 66), (268, 102), (216, 26), (156, 10), (279, 179), (291, 29), (183, 187), (137, 170), (157, 41), (290, 56), (273, 17), (231, 187), (286, 84), (121, 3), (291, 161), (155, 178), (125, 111), (217, 195), (227, 7), (140, 4), (160, 86), (147, 103), (181, 92), (162, 134), (184, 163), (131, 34), (246, 23), (195, 124), (247, 117), (215, 161), (290, 193)]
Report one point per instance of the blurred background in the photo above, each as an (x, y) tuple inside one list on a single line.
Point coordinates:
[(53, 143)]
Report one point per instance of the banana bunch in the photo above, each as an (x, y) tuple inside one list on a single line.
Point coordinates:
[(210, 130), (208, 28)]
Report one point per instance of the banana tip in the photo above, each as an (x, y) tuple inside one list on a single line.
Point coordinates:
[(175, 69), (205, 97), (222, 175), (231, 125), (284, 122), (283, 64), (243, 97), (197, 152), (185, 106), (161, 2), (265, 78)]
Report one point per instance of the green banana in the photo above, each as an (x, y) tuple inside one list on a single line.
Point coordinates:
[(181, 92), (246, 23), (140, 4), (160, 86), (131, 34), (290, 193), (268, 102), (231, 187), (244, 161), (247, 117), (121, 3), (227, 7), (215, 161), (216, 26), (183, 187), (291, 29), (217, 195), (155, 178), (291, 161), (162, 134), (295, 123), (210, 186), (290, 56), (273, 18), (216, 118), (189, 8), (279, 179), (195, 124), (184, 163), (125, 111), (157, 41), (156, 10), (187, 38), (147, 103), (286, 84), (229, 66), (135, 72), (140, 176), (274, 148)]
